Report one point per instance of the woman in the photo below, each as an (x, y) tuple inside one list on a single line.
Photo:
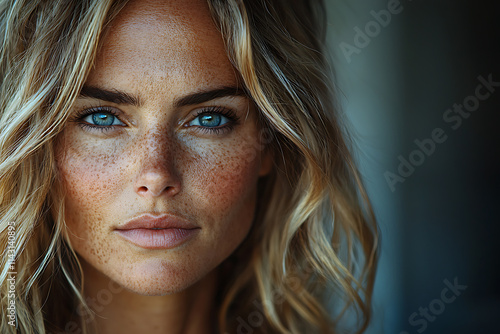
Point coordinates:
[(176, 167)]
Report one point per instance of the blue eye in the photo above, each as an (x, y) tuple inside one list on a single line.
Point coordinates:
[(102, 119), (209, 120)]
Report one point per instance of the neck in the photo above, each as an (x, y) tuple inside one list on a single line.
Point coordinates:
[(118, 310)]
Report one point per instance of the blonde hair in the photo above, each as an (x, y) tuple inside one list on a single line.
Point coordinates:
[(313, 215)]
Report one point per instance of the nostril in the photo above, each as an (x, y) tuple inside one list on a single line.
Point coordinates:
[(142, 190), (157, 190), (154, 181)]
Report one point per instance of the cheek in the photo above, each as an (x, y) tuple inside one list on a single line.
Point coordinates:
[(90, 179), (90, 176), (223, 186), (223, 177)]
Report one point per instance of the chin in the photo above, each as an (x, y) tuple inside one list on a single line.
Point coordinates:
[(158, 278)]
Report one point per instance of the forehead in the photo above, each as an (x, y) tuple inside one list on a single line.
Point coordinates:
[(173, 41)]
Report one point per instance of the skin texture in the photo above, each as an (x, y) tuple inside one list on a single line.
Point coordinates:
[(155, 159)]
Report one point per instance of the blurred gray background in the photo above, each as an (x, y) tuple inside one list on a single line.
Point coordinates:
[(401, 83)]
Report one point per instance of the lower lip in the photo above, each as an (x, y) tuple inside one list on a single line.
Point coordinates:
[(158, 239)]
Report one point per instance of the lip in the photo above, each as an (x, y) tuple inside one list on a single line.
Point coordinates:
[(157, 232)]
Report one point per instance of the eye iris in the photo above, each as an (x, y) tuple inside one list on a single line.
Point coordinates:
[(210, 120), (103, 119)]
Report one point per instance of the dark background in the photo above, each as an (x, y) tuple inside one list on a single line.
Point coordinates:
[(442, 222)]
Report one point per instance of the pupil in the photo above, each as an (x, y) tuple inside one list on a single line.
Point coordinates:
[(211, 120), (103, 119)]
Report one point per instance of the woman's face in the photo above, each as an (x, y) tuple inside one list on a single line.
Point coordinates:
[(161, 157)]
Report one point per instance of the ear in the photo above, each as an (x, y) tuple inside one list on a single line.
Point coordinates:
[(266, 162)]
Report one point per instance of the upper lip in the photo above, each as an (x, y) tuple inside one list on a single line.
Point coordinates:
[(163, 221)]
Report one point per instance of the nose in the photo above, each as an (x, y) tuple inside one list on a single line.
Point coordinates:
[(157, 173)]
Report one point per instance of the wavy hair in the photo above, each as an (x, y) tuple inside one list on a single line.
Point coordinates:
[(314, 238)]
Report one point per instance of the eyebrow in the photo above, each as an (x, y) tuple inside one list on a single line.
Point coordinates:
[(114, 96), (119, 97), (204, 96)]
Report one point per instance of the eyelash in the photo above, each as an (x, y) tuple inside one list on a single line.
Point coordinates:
[(229, 114), (80, 115)]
